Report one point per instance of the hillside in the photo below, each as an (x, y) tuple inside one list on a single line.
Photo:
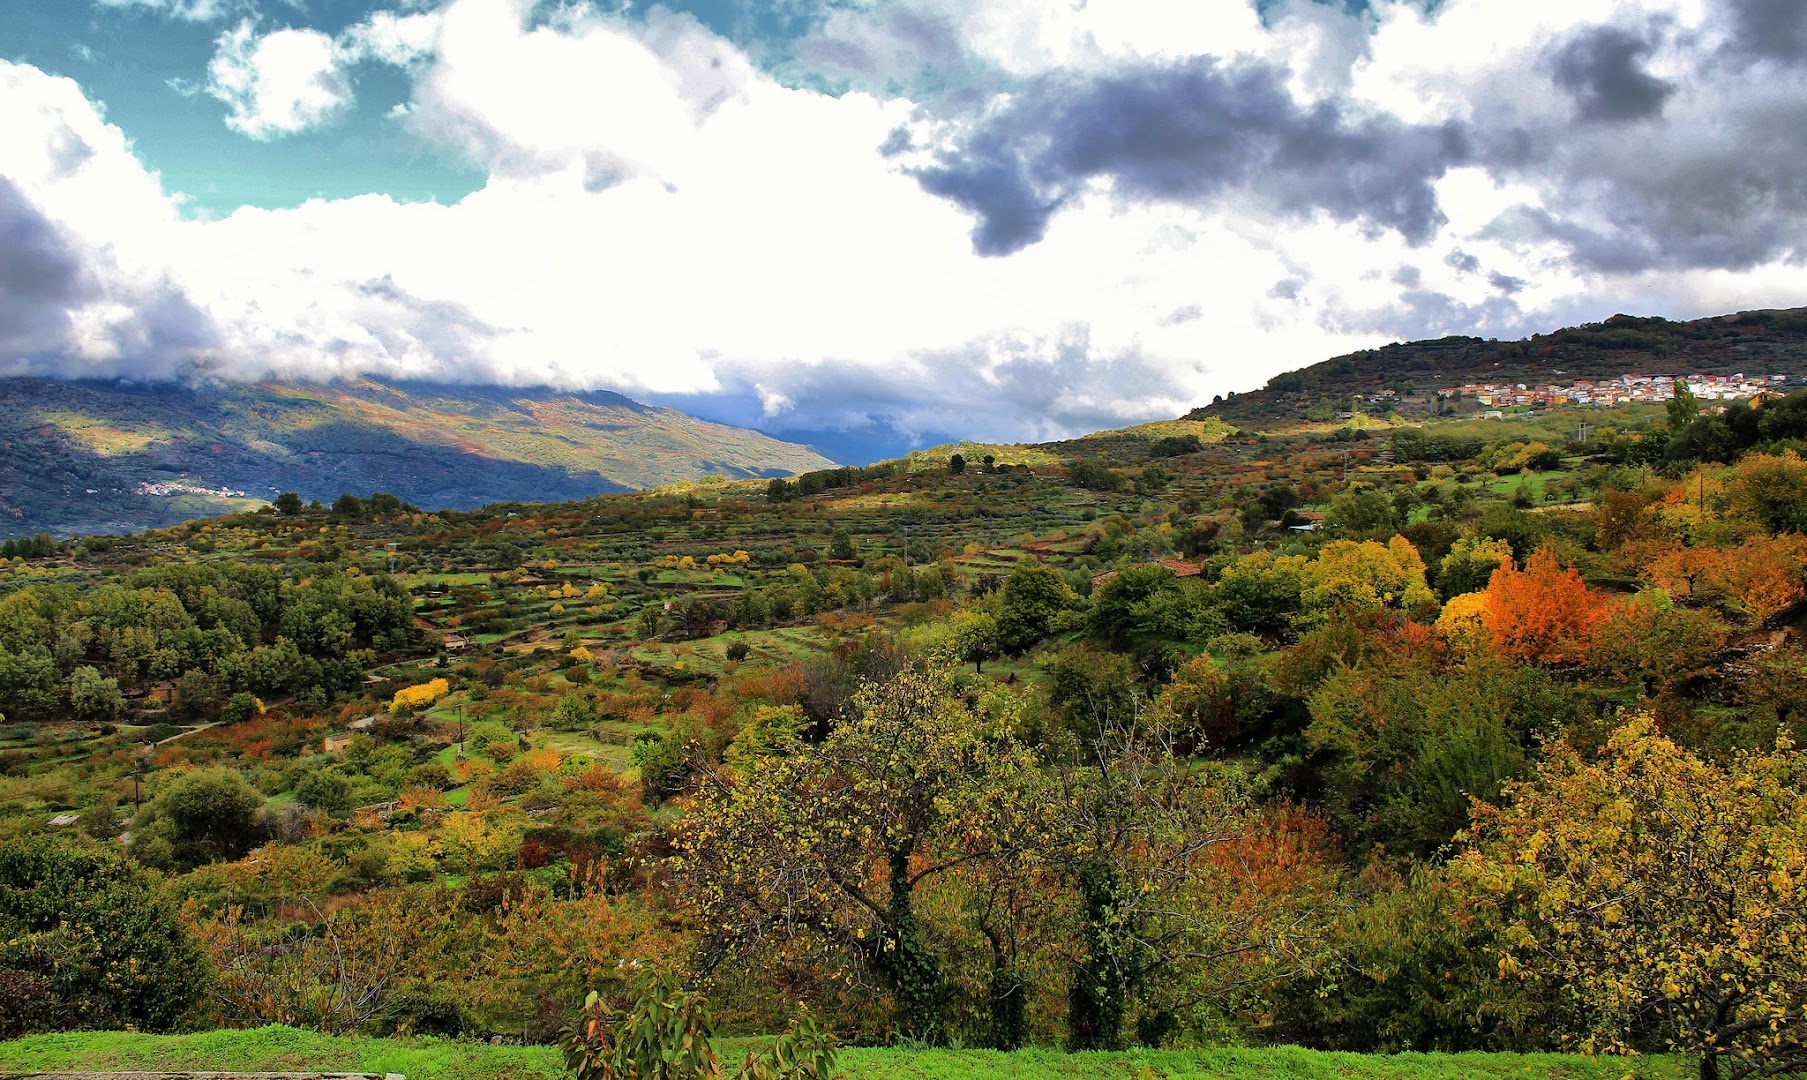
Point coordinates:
[(85, 457), (459, 766), (1752, 342)]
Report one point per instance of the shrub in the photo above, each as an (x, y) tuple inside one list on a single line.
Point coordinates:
[(86, 940)]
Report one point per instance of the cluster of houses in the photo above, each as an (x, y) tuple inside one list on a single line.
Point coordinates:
[(1620, 390), (176, 488)]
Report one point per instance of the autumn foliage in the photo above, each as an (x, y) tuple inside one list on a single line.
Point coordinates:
[(1665, 892), (413, 697), (1543, 614)]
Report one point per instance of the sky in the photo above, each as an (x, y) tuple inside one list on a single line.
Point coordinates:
[(879, 223)]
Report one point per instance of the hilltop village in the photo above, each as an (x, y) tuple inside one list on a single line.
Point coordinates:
[(1622, 390)]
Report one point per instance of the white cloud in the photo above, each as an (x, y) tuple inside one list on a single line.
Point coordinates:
[(278, 83), (85, 288), (392, 37), (662, 217)]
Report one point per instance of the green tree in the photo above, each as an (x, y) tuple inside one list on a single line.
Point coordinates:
[(1771, 490), (973, 636), (94, 936), (956, 464), (94, 697), (326, 790), (1147, 603), (199, 818), (1407, 742), (1362, 512), (288, 503), (1175, 902), (1683, 408), (1033, 598), (825, 849), (1470, 565), (840, 545)]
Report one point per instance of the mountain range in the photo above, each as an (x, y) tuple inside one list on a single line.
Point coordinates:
[(109, 456)]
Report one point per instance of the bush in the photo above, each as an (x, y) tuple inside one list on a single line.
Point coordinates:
[(87, 941), (427, 1009), (202, 817), (238, 709)]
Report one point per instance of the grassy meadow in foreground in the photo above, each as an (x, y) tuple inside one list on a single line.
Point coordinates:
[(280, 1048)]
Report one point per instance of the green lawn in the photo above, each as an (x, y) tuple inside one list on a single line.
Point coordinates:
[(277, 1049)]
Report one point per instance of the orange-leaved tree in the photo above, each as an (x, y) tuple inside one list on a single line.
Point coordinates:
[(1543, 614), (1761, 577)]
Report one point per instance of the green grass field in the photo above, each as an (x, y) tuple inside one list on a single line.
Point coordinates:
[(276, 1049)]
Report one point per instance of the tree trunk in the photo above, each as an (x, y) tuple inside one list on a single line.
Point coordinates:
[(1009, 997), (1096, 998), (914, 973)]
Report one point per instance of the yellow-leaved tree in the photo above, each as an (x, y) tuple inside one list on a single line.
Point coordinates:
[(1363, 576), (1666, 893), (414, 697)]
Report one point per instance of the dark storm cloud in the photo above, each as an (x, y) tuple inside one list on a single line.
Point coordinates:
[(1714, 177), (1506, 283), (1602, 68), (896, 143), (1193, 133), (1769, 29), (40, 276), (991, 182), (1724, 188), (45, 277)]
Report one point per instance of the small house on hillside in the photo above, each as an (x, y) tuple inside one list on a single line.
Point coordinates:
[(333, 744), (1180, 569)]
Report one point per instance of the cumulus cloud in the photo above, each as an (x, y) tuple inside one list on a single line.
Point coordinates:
[(83, 288), (1017, 218), (1017, 386), (896, 48), (1768, 29), (278, 83), (1195, 132), (1602, 67)]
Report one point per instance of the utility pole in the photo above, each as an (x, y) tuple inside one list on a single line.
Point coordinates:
[(1345, 465)]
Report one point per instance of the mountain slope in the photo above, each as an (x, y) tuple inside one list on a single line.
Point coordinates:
[(1753, 342), (102, 456)]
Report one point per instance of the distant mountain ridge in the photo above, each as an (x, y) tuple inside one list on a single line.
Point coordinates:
[(109, 456), (1768, 341)]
